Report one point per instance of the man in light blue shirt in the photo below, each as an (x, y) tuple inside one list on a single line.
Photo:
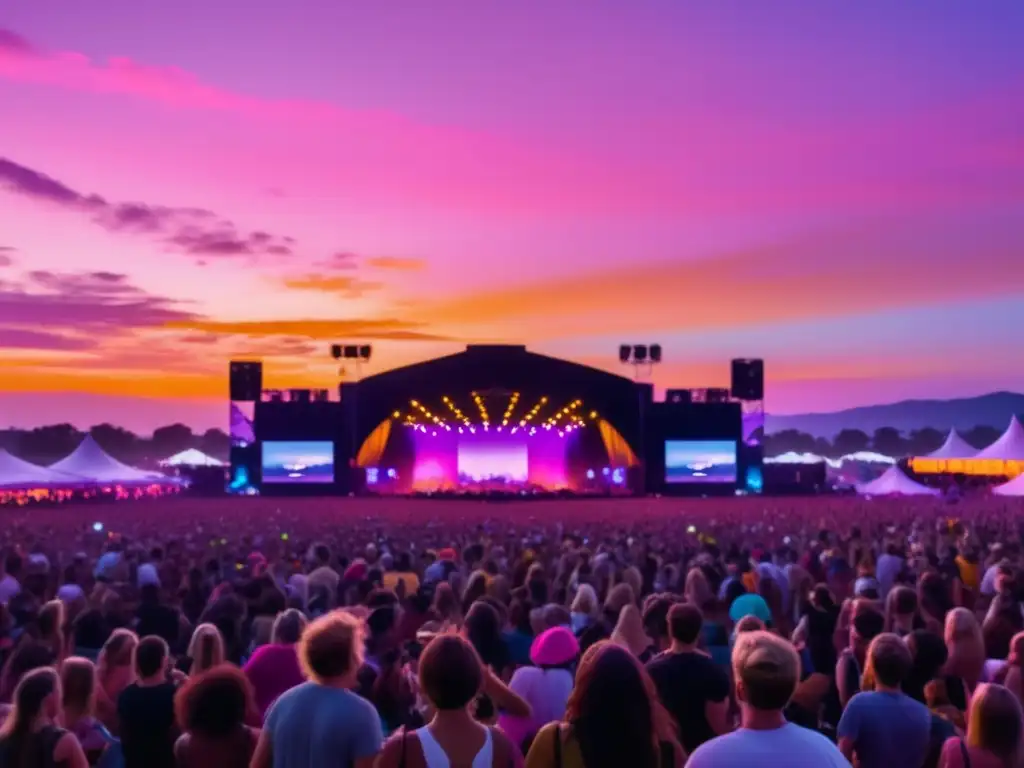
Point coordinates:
[(322, 723), (885, 727)]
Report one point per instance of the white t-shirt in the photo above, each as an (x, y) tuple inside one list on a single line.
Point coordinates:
[(9, 587), (787, 747)]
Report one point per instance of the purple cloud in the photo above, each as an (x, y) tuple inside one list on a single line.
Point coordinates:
[(24, 338), (96, 301), (193, 231), (6, 259), (15, 43)]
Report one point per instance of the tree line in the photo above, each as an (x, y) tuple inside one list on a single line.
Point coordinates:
[(886, 440), (45, 445)]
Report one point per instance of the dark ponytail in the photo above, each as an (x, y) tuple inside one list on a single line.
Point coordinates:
[(29, 696)]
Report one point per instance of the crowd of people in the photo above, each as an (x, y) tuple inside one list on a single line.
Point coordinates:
[(654, 633)]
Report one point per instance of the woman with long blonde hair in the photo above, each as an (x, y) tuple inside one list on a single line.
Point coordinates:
[(114, 672), (697, 590), (966, 662), (584, 609), (994, 731), (1012, 675), (51, 628), (78, 683), (629, 633), (206, 649)]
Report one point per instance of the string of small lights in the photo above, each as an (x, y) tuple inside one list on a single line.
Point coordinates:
[(510, 409), (483, 408), (455, 410)]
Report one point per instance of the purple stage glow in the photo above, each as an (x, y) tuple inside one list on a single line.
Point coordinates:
[(449, 460)]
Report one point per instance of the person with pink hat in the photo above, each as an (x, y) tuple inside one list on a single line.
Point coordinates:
[(545, 686)]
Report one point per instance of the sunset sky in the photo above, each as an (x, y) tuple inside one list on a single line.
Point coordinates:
[(835, 187)]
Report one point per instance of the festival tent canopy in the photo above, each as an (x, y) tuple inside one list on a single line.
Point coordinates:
[(18, 473), (191, 458), (1013, 488), (1009, 447), (955, 447), (867, 457), (92, 463), (894, 482)]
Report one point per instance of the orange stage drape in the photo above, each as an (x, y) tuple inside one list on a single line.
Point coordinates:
[(619, 452), (372, 450)]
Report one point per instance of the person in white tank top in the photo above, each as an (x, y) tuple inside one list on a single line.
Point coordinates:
[(451, 679)]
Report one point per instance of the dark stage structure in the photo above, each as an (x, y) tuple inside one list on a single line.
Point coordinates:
[(496, 420)]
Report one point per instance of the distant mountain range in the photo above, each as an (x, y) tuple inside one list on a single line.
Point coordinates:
[(992, 410)]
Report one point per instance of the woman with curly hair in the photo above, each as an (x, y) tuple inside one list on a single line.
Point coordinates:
[(210, 710)]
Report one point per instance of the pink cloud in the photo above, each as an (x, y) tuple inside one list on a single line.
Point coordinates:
[(691, 161)]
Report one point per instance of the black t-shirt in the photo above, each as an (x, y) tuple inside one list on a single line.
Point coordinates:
[(159, 620), (146, 715), (686, 682)]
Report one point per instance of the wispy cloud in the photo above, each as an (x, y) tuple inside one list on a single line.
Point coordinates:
[(194, 231), (25, 338), (343, 285), (6, 255), (96, 301), (396, 263), (856, 270), (369, 330)]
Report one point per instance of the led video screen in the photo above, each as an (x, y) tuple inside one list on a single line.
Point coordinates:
[(700, 461), (494, 459), (294, 462)]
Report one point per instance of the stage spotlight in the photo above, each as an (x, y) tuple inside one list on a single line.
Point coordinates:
[(606, 471), (372, 475), (593, 414), (591, 474), (625, 351), (618, 476), (392, 473)]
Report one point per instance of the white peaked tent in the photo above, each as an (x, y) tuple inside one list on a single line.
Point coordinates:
[(191, 458), (91, 462), (955, 447), (894, 482), (1013, 488), (17, 473), (1009, 447)]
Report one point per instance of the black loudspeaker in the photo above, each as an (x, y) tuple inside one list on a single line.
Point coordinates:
[(747, 379), (350, 351), (245, 380), (655, 352), (336, 351), (640, 352), (625, 353), (678, 396), (364, 351)]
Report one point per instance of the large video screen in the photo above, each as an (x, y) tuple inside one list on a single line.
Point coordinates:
[(700, 461), (495, 459), (302, 461)]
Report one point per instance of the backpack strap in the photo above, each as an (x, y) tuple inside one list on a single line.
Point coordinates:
[(667, 754), (405, 744), (558, 745), (964, 754)]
